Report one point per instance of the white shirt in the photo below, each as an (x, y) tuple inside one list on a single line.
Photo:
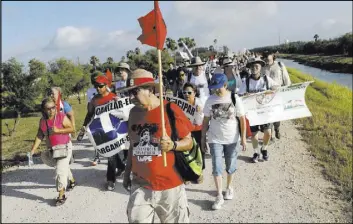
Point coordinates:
[(256, 85), (202, 84), (198, 118), (277, 73), (223, 125)]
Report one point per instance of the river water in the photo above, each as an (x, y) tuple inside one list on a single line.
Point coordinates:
[(344, 79)]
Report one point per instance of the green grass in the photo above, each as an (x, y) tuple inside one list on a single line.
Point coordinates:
[(22, 140), (329, 131), (320, 58)]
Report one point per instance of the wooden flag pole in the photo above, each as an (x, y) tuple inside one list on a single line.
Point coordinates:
[(161, 101)]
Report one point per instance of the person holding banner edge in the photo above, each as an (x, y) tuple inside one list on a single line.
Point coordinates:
[(253, 84), (104, 96), (154, 189)]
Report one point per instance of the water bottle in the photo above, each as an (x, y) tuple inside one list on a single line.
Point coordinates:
[(30, 159)]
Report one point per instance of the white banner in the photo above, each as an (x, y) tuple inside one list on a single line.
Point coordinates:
[(108, 130), (188, 109), (286, 103)]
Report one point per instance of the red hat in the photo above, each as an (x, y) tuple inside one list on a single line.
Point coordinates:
[(139, 77), (102, 79)]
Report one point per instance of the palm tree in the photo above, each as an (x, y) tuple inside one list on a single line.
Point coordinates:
[(316, 37), (211, 48), (181, 39), (94, 61), (110, 60), (129, 54)]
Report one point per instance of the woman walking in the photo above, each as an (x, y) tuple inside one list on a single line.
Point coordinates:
[(56, 127), (190, 94)]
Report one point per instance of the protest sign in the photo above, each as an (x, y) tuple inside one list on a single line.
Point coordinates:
[(285, 103), (108, 130)]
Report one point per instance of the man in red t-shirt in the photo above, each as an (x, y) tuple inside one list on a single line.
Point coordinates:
[(155, 189)]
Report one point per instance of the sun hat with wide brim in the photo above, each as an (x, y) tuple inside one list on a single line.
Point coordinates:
[(196, 61), (255, 61), (139, 78), (228, 62), (124, 65)]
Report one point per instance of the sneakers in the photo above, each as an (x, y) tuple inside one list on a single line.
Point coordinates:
[(229, 194), (255, 158), (264, 154), (110, 186), (96, 161), (277, 134), (218, 203)]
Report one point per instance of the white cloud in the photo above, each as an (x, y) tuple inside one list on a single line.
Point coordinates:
[(71, 37), (235, 24)]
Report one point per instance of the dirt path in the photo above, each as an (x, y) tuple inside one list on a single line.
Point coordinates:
[(287, 188)]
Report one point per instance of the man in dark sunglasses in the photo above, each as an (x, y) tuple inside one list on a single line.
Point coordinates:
[(104, 96)]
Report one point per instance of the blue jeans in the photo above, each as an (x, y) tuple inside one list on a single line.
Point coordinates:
[(230, 157)]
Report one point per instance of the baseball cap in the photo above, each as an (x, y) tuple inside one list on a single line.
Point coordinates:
[(218, 80)]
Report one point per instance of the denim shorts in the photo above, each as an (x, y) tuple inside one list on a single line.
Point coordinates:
[(230, 156)]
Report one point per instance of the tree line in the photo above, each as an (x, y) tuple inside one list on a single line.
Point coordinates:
[(23, 87), (341, 45)]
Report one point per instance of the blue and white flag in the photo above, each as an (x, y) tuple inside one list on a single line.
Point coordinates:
[(108, 130)]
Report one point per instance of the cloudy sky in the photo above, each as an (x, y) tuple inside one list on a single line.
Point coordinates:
[(48, 30)]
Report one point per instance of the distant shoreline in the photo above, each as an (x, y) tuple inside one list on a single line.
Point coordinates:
[(332, 63)]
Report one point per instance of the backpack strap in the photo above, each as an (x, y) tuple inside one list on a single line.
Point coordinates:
[(266, 82), (281, 66), (247, 83), (170, 113)]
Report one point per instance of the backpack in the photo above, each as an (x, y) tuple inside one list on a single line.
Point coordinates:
[(188, 163), (248, 83)]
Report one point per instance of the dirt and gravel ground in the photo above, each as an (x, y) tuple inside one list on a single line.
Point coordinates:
[(287, 188)]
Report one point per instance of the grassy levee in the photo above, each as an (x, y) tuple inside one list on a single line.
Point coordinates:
[(332, 63), (329, 131), (16, 146)]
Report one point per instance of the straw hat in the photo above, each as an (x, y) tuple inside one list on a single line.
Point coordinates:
[(138, 78), (124, 65), (254, 61), (228, 61), (196, 61)]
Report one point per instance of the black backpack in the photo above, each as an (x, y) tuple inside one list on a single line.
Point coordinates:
[(248, 83), (187, 163)]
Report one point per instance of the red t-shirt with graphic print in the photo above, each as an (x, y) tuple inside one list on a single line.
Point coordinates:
[(147, 161)]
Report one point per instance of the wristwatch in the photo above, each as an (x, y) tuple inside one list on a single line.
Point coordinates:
[(174, 145)]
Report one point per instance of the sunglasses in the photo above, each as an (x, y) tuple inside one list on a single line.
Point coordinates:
[(51, 108), (134, 91), (187, 92), (98, 86)]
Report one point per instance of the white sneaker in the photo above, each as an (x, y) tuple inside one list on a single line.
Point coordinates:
[(229, 194), (218, 203)]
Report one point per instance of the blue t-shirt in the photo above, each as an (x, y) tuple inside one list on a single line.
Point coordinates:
[(67, 107)]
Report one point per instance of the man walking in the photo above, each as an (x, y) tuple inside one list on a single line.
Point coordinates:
[(258, 83), (155, 189), (277, 71)]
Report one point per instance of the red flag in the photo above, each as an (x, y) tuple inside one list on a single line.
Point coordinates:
[(110, 77), (154, 30)]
